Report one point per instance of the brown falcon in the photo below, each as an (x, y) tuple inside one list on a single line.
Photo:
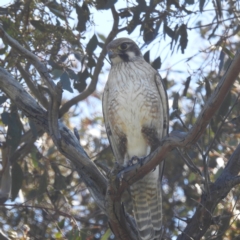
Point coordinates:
[(135, 109)]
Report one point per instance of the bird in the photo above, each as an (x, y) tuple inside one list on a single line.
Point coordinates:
[(135, 111)]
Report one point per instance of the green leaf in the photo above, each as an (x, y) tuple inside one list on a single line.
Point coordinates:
[(59, 182), (83, 14), (221, 59), (5, 117), (58, 235), (208, 88), (109, 4), (186, 86), (91, 62), (124, 13), (192, 177), (53, 64), (39, 25), (74, 235), (61, 224), (224, 107), (64, 57), (34, 155), (148, 31), (102, 37), (84, 233), (58, 13), (218, 173), (105, 4), (228, 52), (81, 84), (32, 194), (17, 179), (106, 235), (14, 132), (3, 50), (65, 81), (189, 2), (72, 74), (156, 64), (92, 44), (43, 183), (168, 31), (78, 56), (56, 73), (175, 101), (33, 128), (146, 56), (184, 37), (201, 4)]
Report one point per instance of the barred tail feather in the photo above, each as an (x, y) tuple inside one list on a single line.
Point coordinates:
[(147, 206)]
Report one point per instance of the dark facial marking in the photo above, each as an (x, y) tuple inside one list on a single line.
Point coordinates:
[(128, 47), (124, 57)]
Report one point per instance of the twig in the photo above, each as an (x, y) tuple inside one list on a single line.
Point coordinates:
[(189, 162), (220, 127), (92, 86), (69, 145), (32, 58), (203, 216), (41, 98), (96, 183)]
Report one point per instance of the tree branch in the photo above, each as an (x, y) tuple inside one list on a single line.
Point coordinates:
[(29, 55), (120, 222), (69, 145), (203, 217), (133, 173), (41, 98), (92, 86), (3, 236)]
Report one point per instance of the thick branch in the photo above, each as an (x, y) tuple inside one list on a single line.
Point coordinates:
[(41, 98), (70, 146), (203, 217), (135, 172), (3, 236), (120, 222)]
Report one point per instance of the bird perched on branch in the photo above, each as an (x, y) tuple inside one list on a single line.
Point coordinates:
[(135, 109)]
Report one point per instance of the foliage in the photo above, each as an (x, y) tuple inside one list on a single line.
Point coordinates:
[(49, 198)]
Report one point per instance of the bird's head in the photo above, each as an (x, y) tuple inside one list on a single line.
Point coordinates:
[(123, 50)]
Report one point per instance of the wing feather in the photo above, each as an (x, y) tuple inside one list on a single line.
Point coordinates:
[(113, 139)]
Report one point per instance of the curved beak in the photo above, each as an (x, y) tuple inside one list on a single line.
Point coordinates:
[(111, 54)]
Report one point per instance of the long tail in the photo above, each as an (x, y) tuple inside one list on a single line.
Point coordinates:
[(147, 205)]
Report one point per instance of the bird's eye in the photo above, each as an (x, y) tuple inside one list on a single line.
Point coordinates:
[(123, 46)]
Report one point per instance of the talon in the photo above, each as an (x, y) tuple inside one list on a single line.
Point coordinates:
[(135, 160)]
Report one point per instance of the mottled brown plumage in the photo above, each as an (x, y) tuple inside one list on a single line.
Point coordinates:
[(135, 109)]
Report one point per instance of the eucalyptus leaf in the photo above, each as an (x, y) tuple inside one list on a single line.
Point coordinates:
[(65, 81), (17, 179)]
